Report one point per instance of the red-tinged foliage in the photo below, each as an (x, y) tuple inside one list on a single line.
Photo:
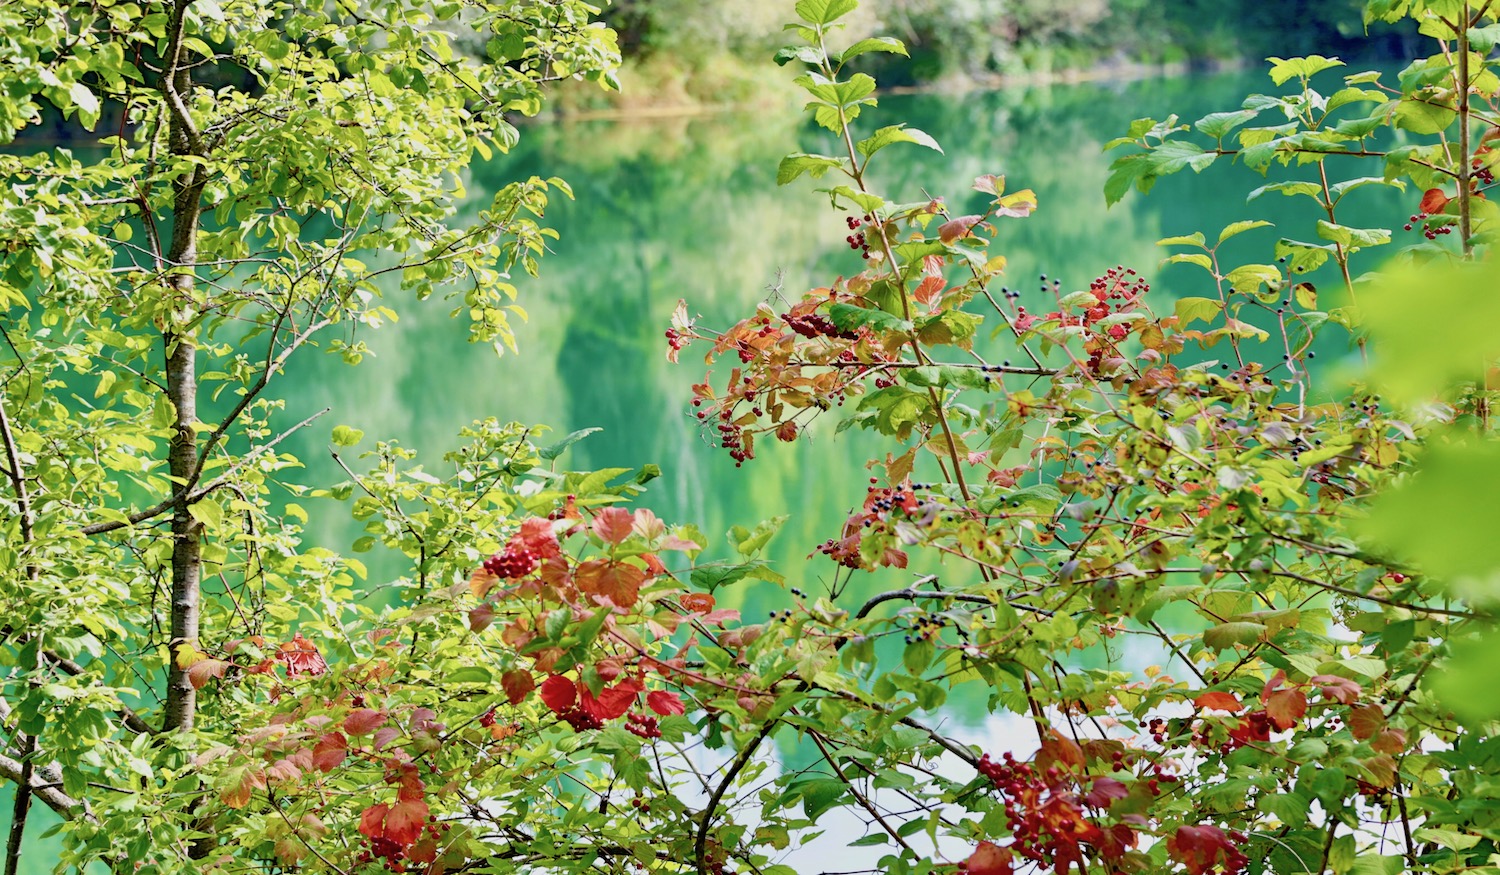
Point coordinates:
[(620, 582), (200, 672), (1061, 751), (955, 229), (613, 524), (1337, 689), (1219, 701), (1434, 201), (664, 702), (330, 751), (481, 616), (518, 684), (1365, 721), (372, 820), (559, 693), (989, 859), (1255, 726), (1202, 849), (612, 702), (696, 602), (363, 721), (1286, 707), (540, 537), (1391, 741), (1104, 790), (404, 821), (301, 657)]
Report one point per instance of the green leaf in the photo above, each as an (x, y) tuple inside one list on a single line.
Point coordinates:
[(1194, 239), (793, 166), (1353, 239), (1227, 635), (550, 453), (1303, 257), (209, 513), (895, 134), (469, 674), (821, 794), (1218, 124), (1242, 227), (1248, 278), (848, 317), (1484, 39), (809, 55), (749, 542), (344, 436), (1205, 309), (824, 11), (873, 44), (1197, 258), (1303, 68)]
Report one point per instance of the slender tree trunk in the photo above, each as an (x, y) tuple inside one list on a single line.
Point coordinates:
[(182, 378)]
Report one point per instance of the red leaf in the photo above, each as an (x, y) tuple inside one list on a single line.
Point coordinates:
[(927, 291), (384, 736), (1219, 701), (363, 721), (372, 821), (301, 657), (1104, 791), (1433, 201), (404, 822), (1286, 707), (1365, 721), (720, 617), (613, 524), (538, 536), (1273, 685), (1390, 741), (959, 227), (1339, 689), (619, 582), (989, 859), (697, 602), (1061, 751), (482, 616), (612, 701), (559, 693), (1201, 848), (330, 751), (664, 702), (201, 671), (517, 684)]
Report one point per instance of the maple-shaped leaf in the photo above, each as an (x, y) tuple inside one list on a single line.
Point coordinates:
[(1338, 689), (1286, 707), (1201, 848), (612, 701), (1061, 751), (664, 702), (647, 524), (928, 289), (1217, 700), (481, 616), (1366, 720), (239, 783), (517, 684), (372, 821), (559, 693), (481, 581), (696, 602), (1381, 769), (1392, 741), (384, 736), (1433, 201), (201, 671), (613, 524), (330, 751), (363, 721), (989, 859), (620, 582), (1104, 791), (405, 820), (539, 535)]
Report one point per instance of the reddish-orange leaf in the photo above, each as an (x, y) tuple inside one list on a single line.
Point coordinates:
[(696, 602), (481, 617), (989, 859), (927, 291), (1433, 201), (612, 701), (363, 721), (1286, 707), (1338, 689), (664, 702), (404, 822), (1273, 684), (613, 524), (538, 535), (330, 751), (372, 821), (481, 581), (1061, 751), (1392, 741), (1219, 701), (956, 228), (517, 684), (559, 693), (1382, 769), (1366, 720), (201, 671), (620, 582), (1202, 848)]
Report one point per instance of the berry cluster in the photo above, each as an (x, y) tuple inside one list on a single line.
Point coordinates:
[(1119, 282), (513, 562), (643, 725), (857, 239), (1431, 232), (1046, 822), (580, 719), (815, 325), (677, 340), (392, 854), (1483, 173)]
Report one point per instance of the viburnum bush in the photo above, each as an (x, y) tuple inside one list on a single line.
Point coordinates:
[(1245, 616)]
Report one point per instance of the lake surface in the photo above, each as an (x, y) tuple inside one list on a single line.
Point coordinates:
[(689, 209)]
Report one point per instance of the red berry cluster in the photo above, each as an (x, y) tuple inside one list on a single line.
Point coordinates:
[(1483, 173), (1429, 231), (732, 438), (580, 719), (815, 325), (1119, 283), (677, 340), (1046, 822), (512, 562), (643, 725), (395, 856), (857, 239)]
